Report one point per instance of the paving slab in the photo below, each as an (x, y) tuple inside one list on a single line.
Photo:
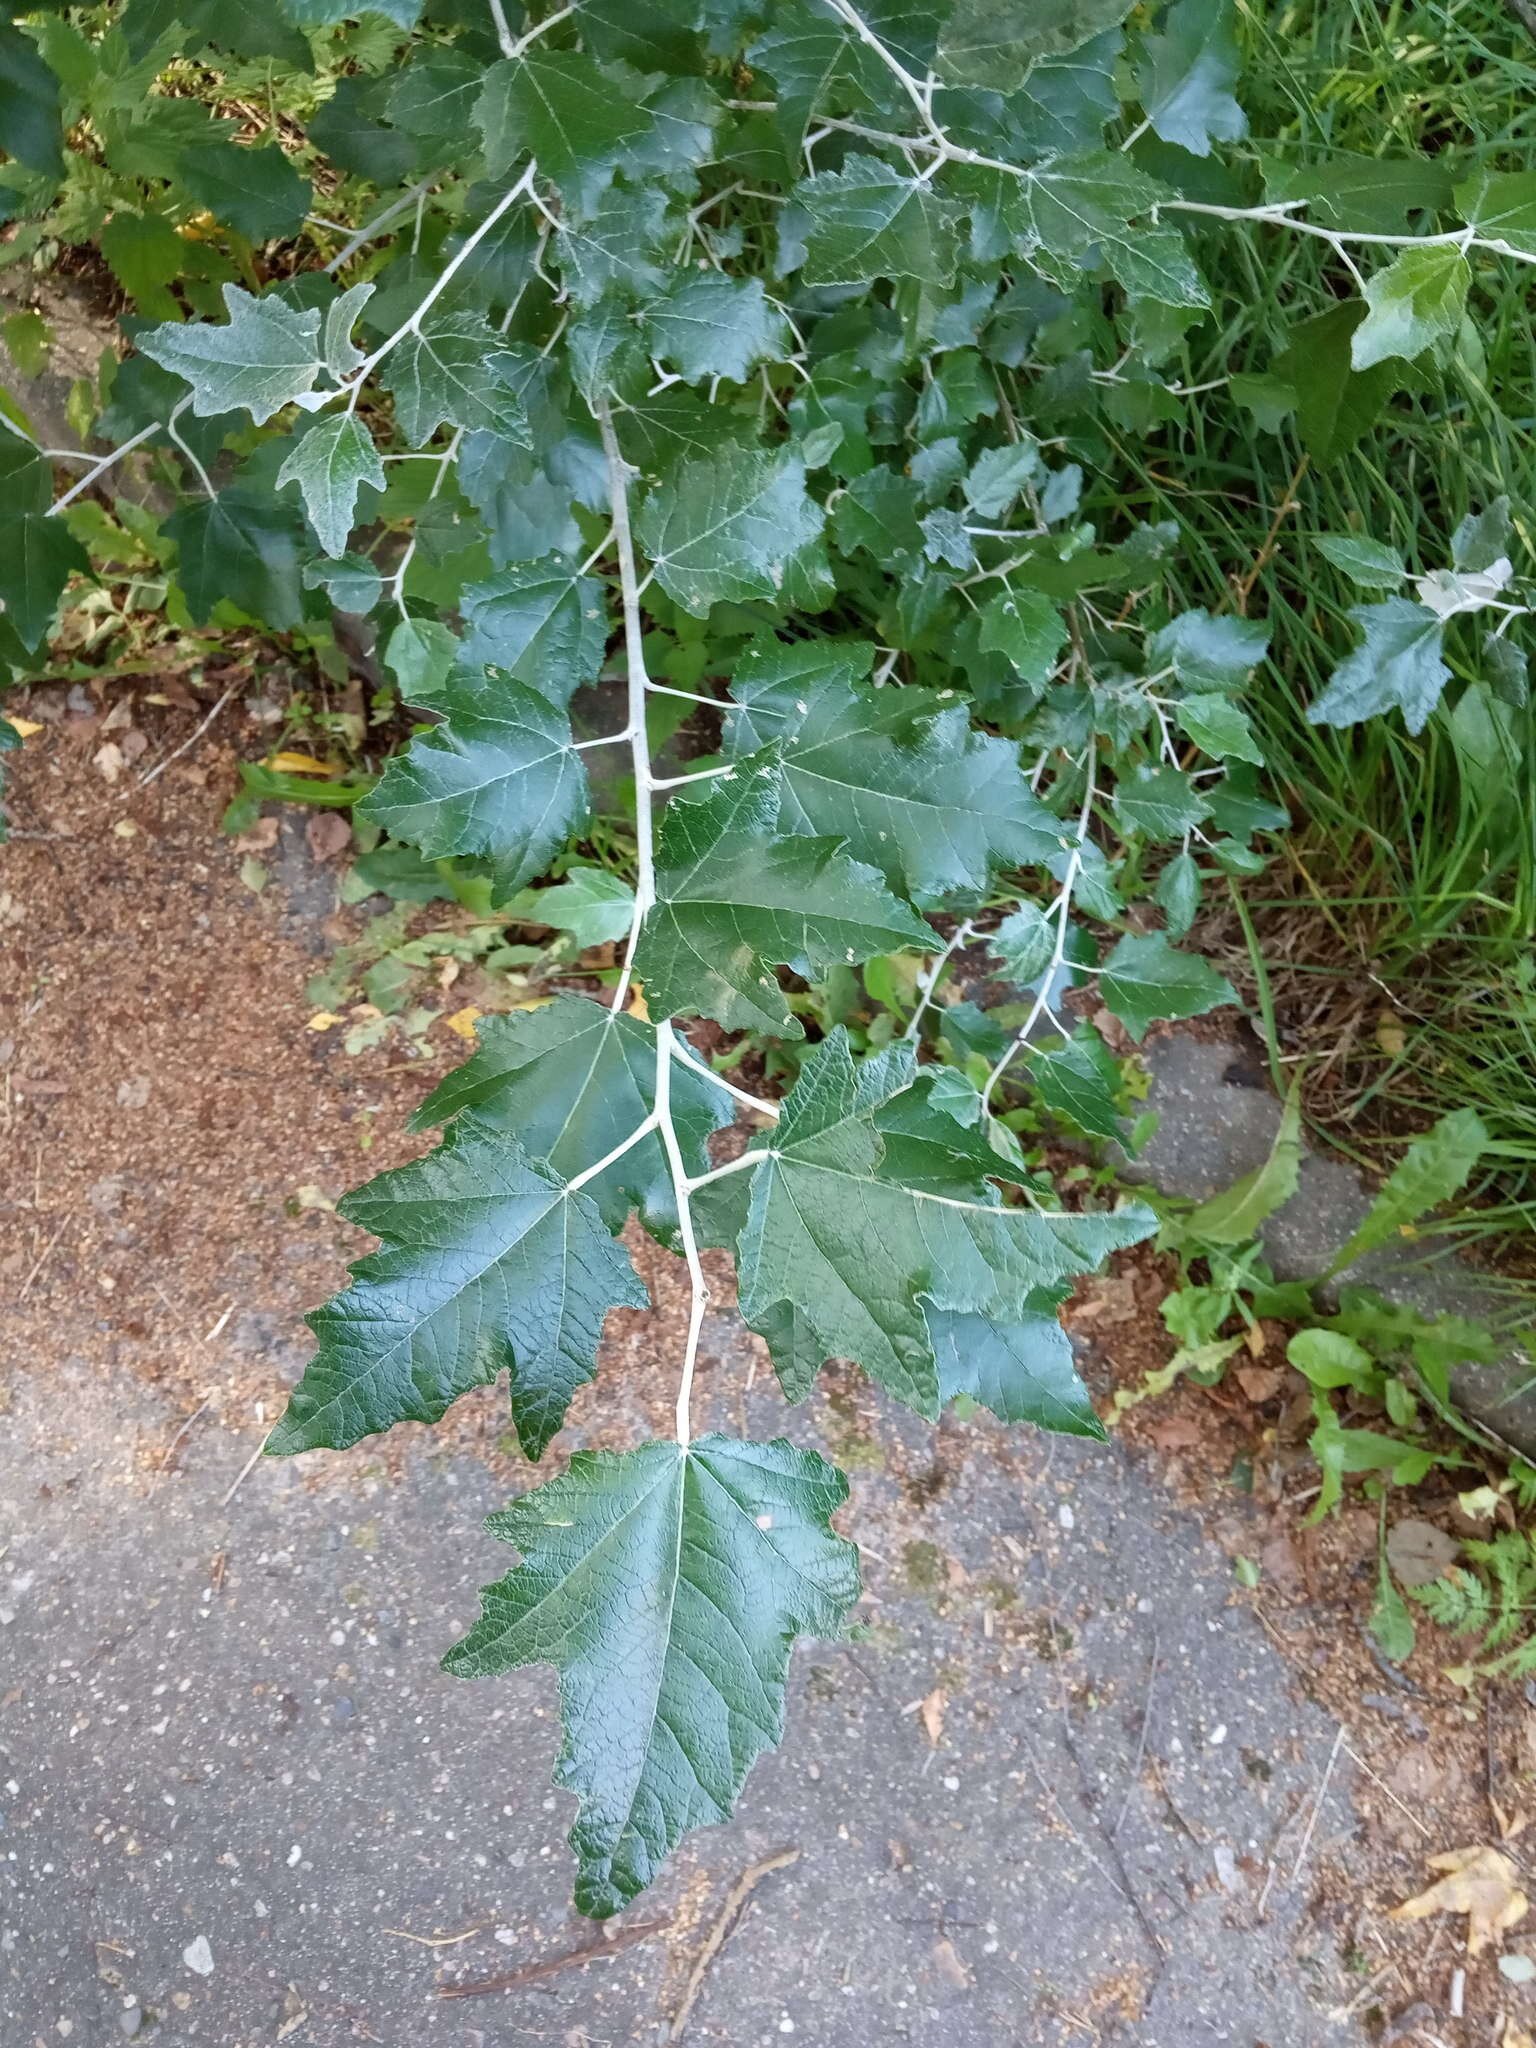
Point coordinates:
[(1217, 1119), (234, 1783)]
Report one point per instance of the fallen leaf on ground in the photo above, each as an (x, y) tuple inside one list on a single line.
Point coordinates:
[(463, 1021), (932, 1714), (109, 760), (261, 837), (298, 764), (951, 1969), (1516, 2037), (323, 1020), (1479, 1882), (1418, 1552), (329, 834), (25, 726), (1175, 1433), (1260, 1383)]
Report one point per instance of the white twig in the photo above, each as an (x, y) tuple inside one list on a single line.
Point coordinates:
[(103, 463), (186, 746), (740, 1164), (961, 934), (531, 35), (381, 220), (682, 1050), (628, 1144), (1317, 1806), (634, 651), (504, 35), (1061, 909)]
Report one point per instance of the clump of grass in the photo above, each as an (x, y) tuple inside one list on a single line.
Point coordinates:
[(1398, 918)]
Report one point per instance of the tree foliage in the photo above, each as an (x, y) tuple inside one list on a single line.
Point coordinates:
[(760, 349)]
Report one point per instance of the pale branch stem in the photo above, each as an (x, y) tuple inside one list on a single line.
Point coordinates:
[(642, 1130), (504, 36), (197, 468), (698, 1285), (740, 1164), (532, 35), (520, 190), (634, 654), (384, 218), (688, 696), (699, 775), (930, 981), (1061, 909), (606, 739), (683, 1051), (909, 85), (105, 462), (1278, 215)]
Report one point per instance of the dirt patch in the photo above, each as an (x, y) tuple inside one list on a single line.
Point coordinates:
[(1436, 1767)]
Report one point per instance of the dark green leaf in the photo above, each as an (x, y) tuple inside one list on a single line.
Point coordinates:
[(242, 546), (734, 900), (726, 528), (838, 1261), (899, 774), (870, 221), (711, 325), (668, 1585), (1209, 651), (488, 1263), (570, 1081), (1187, 75), (255, 189), (454, 368), (1023, 1371), (541, 622), (994, 43), (31, 125), (38, 555), (500, 778), (1144, 980)]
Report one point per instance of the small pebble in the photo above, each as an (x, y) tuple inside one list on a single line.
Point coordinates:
[(130, 2019), (198, 1956)]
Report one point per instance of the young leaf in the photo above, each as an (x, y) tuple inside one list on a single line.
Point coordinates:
[(667, 1584), (1187, 75), (1067, 212), (264, 356), (1159, 802), (499, 778), (1397, 667), (1434, 1168), (1370, 563), (1024, 942), (1078, 1082), (898, 773), (837, 1258), (419, 654), (570, 1081), (725, 528), (733, 900), (1027, 628), (328, 463), (1501, 206), (1178, 893), (1023, 1371), (1145, 980), (488, 1263), (1418, 299), (592, 904)]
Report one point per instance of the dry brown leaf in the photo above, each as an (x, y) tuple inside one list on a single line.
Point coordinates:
[(950, 1967), (1175, 1433), (1260, 1383), (1479, 1882), (329, 834), (1516, 2037), (260, 837), (1418, 1552), (108, 759), (932, 1713)]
